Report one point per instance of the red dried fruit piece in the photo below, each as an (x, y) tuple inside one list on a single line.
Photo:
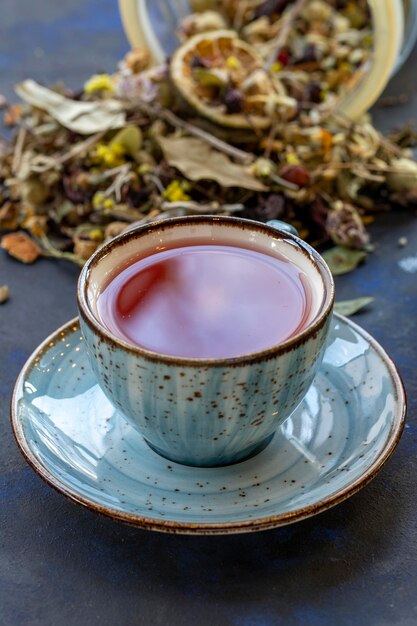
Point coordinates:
[(21, 247), (296, 174), (283, 57)]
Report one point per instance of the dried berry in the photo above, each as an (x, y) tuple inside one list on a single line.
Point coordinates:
[(233, 99), (283, 57), (271, 7), (296, 174), (313, 93)]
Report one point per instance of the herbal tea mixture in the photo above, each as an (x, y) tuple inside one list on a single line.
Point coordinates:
[(242, 120)]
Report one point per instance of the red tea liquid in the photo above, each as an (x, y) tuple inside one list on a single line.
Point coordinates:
[(205, 301)]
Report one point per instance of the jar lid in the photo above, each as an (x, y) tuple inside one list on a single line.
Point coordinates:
[(154, 27)]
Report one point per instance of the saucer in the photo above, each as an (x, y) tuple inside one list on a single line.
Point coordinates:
[(335, 442)]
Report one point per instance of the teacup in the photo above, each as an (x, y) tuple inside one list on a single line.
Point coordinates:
[(205, 411)]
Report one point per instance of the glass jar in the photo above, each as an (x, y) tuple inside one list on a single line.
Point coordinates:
[(153, 24)]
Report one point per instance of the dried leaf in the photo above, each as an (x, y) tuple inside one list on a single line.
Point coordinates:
[(130, 138), (198, 161), (343, 260), (350, 307), (4, 294), (85, 118), (21, 247)]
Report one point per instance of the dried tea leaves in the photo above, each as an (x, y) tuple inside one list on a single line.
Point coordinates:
[(196, 160), (85, 118), (128, 149)]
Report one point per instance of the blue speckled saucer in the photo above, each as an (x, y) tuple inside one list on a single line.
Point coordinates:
[(334, 443)]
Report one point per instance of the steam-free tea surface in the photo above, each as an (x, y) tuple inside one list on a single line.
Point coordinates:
[(206, 301)]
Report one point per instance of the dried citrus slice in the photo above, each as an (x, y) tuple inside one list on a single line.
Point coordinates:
[(222, 77)]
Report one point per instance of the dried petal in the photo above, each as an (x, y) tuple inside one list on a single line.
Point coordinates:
[(21, 247), (4, 294), (345, 227), (13, 115)]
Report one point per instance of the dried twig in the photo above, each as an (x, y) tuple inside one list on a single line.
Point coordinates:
[(283, 34), (17, 156), (219, 144), (195, 207)]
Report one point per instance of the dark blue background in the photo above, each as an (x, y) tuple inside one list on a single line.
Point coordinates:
[(63, 565)]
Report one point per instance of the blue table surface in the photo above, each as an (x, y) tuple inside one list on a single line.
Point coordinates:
[(60, 564)]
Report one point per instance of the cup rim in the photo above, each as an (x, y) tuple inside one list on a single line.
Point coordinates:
[(136, 233)]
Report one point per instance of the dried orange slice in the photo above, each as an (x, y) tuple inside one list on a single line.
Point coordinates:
[(222, 78)]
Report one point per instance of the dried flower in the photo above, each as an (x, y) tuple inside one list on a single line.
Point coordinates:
[(128, 150), (109, 155), (99, 82), (137, 60), (175, 192)]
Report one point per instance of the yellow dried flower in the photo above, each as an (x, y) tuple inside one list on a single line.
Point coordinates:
[(99, 82), (277, 66), (292, 159), (96, 234), (144, 168), (108, 203), (175, 192), (233, 63), (109, 156), (98, 199)]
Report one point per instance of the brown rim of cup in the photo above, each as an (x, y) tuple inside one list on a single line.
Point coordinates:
[(286, 346)]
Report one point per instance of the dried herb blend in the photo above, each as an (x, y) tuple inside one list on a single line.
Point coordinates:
[(243, 120)]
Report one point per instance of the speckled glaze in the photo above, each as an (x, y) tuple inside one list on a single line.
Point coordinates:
[(205, 412), (335, 442)]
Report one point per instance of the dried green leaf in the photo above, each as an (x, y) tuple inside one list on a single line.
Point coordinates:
[(211, 77), (350, 307), (85, 118), (343, 260), (198, 161)]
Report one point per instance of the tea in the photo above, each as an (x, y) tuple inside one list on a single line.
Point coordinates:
[(206, 301)]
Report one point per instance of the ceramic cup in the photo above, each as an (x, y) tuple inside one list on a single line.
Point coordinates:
[(205, 412)]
